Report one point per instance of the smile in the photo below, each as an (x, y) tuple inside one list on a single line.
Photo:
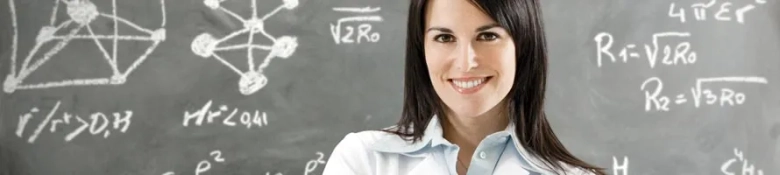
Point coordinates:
[(469, 85)]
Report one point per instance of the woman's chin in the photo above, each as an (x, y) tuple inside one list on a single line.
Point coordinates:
[(470, 113)]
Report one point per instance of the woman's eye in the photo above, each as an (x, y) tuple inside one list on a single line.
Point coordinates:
[(487, 37), (444, 38)]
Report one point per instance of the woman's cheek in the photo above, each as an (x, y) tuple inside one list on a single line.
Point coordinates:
[(434, 62)]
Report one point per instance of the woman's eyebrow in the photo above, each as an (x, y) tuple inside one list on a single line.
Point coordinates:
[(479, 29), (487, 27), (442, 29)]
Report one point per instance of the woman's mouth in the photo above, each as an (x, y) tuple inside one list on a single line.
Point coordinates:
[(469, 85)]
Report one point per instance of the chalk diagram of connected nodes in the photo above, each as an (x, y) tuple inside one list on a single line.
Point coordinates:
[(80, 14), (253, 79)]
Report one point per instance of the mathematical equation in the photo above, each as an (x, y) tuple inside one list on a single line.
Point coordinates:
[(215, 156), (98, 123), (681, 55), (746, 167), (245, 118), (721, 11), (363, 19), (673, 48), (654, 100)]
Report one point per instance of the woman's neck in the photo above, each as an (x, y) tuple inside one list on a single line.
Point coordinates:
[(468, 131)]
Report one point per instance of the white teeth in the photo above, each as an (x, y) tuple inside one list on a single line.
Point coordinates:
[(468, 84)]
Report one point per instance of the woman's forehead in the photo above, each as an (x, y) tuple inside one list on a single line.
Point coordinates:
[(455, 14)]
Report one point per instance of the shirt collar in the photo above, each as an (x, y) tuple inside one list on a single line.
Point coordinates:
[(393, 144), (433, 136)]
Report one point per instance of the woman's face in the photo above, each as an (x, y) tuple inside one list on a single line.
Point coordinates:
[(471, 59)]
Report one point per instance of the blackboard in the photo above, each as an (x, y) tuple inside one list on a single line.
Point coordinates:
[(164, 87)]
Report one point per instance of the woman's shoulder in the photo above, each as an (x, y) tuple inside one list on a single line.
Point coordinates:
[(362, 138), (357, 151), (371, 140)]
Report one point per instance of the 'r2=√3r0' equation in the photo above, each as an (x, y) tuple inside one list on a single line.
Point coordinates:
[(700, 94)]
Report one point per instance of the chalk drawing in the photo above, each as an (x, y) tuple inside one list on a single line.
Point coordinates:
[(746, 168), (252, 80), (721, 11), (656, 101), (245, 118), (312, 164), (677, 53), (620, 169), (363, 16), (98, 123), (205, 165), (81, 14)]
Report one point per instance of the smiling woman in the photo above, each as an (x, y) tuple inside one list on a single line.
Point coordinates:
[(473, 101)]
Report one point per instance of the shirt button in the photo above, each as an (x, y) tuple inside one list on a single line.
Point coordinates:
[(482, 155)]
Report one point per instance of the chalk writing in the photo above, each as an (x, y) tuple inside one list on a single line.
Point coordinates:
[(230, 117), (719, 11), (620, 168), (681, 55), (654, 100), (252, 80), (363, 29), (312, 164), (216, 156), (205, 165), (82, 13), (746, 168), (98, 123)]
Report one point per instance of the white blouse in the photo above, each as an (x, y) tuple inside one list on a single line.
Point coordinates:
[(381, 153)]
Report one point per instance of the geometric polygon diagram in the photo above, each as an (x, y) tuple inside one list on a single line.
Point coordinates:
[(81, 13), (207, 46)]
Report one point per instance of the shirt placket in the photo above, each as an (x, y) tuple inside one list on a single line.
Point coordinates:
[(487, 154)]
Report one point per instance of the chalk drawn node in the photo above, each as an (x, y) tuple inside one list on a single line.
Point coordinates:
[(251, 82), (213, 4), (254, 25), (290, 4), (82, 11), (118, 79), (285, 46), (158, 35), (203, 45), (9, 85)]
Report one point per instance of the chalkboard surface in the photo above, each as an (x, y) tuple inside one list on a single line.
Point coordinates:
[(164, 87)]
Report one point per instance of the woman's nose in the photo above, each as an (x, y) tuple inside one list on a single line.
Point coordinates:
[(466, 57)]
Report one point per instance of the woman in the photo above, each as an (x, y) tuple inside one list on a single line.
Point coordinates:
[(473, 99)]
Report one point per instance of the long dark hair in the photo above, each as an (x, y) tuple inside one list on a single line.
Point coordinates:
[(525, 101)]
